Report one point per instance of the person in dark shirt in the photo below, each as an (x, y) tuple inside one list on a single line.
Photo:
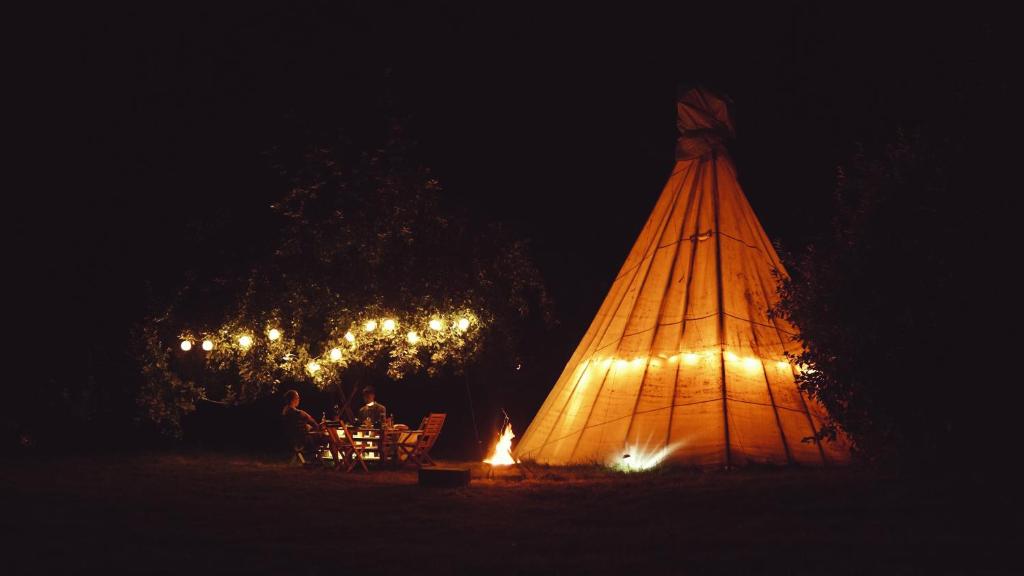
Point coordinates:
[(372, 413), (299, 426)]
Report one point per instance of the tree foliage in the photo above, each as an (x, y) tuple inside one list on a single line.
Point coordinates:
[(875, 302), (363, 237)]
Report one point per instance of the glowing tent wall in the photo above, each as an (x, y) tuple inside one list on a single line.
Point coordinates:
[(682, 355)]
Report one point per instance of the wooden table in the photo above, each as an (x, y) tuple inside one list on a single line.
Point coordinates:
[(378, 445)]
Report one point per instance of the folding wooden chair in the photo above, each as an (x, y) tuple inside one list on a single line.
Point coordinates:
[(353, 452), (302, 443), (430, 429)]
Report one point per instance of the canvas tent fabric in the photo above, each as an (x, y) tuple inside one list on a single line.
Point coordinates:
[(682, 361)]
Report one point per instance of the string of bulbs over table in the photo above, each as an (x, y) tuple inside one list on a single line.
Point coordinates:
[(389, 326)]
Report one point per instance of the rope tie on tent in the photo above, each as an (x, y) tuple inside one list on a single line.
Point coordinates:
[(697, 142)]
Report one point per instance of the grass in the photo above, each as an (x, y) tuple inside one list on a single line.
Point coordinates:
[(168, 513)]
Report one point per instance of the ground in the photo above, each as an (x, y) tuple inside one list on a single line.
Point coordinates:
[(177, 513)]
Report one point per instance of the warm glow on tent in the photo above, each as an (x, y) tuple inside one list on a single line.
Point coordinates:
[(751, 363), (730, 356), (389, 325), (350, 337), (207, 345), (370, 326), (186, 345), (463, 324), (502, 453), (690, 358), (245, 341), (782, 365), (274, 334), (412, 337), (335, 354), (436, 324)]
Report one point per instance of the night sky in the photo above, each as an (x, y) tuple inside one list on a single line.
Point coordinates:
[(151, 128)]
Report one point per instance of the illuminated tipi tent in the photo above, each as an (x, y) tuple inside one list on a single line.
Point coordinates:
[(682, 361)]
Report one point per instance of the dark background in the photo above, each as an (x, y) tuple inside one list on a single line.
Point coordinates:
[(146, 131)]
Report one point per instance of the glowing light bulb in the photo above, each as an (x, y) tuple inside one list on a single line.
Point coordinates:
[(245, 341), (186, 345), (436, 324), (335, 354), (690, 358), (207, 345), (751, 363), (412, 337), (274, 334), (312, 367), (463, 324), (731, 357), (388, 325), (370, 325), (350, 337)]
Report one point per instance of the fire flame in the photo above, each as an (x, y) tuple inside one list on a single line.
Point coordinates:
[(502, 453)]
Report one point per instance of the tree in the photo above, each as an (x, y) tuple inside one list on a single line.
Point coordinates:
[(369, 274), (879, 302)]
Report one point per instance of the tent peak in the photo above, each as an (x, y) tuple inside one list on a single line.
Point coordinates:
[(704, 122)]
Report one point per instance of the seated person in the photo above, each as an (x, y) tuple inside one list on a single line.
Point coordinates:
[(300, 428), (372, 414)]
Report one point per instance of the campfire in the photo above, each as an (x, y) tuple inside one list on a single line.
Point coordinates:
[(502, 453)]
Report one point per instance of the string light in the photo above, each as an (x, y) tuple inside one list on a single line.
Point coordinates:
[(690, 358), (246, 342), (751, 363)]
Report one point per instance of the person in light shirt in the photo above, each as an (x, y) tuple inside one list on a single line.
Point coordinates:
[(373, 413)]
